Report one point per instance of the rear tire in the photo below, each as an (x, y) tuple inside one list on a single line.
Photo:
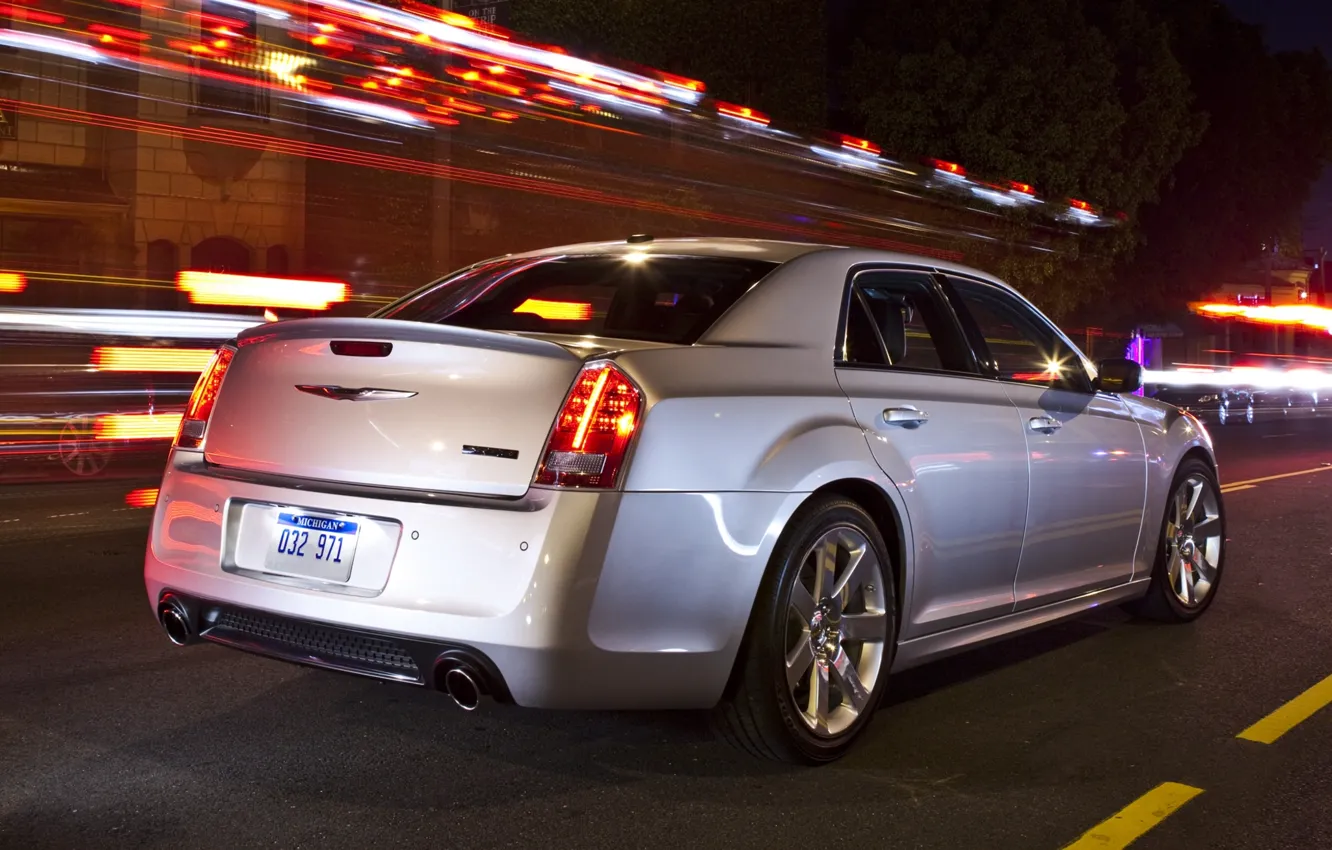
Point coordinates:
[(820, 642), (1190, 554)]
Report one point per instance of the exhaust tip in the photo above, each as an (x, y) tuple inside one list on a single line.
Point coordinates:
[(460, 684), (175, 621)]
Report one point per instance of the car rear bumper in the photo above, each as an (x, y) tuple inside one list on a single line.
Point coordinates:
[(564, 600)]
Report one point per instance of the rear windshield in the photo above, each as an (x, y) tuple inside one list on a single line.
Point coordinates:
[(642, 297)]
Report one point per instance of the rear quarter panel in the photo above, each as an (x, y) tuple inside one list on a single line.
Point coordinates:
[(750, 433), (723, 419)]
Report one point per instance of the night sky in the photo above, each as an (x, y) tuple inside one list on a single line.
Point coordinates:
[(1299, 25)]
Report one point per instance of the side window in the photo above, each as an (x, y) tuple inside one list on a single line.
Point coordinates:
[(1021, 346), (895, 318), (861, 344)]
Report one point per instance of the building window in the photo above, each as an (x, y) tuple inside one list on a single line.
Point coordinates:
[(276, 261), (163, 260), (220, 254), (230, 34)]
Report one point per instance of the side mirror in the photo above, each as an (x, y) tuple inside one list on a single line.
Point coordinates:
[(1118, 375)]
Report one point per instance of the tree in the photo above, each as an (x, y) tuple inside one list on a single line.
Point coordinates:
[(766, 54), (1269, 135), (1082, 98)]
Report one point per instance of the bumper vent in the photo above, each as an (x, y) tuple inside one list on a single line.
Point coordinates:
[(311, 643)]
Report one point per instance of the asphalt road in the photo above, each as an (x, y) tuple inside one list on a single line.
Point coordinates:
[(109, 737)]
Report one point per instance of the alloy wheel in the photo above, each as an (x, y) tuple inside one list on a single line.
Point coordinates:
[(80, 453), (836, 630), (1193, 540)]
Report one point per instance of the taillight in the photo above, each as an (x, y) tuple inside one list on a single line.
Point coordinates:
[(591, 437), (200, 407)]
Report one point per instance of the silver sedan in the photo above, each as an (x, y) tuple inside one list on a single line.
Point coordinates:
[(739, 475)]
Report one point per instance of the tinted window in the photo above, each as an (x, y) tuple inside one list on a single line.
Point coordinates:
[(862, 344), (1021, 345), (656, 298), (896, 318)]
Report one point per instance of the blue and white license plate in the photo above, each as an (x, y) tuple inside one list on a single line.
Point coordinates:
[(312, 545)]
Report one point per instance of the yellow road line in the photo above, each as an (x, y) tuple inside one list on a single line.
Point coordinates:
[(1290, 715), (1275, 477), (1134, 820), (1234, 488)]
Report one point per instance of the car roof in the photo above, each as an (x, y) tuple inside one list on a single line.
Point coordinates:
[(768, 250)]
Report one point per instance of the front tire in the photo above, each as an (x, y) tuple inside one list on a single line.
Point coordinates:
[(1190, 553), (820, 641)]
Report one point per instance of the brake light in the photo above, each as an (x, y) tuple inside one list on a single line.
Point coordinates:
[(357, 348), (200, 406), (591, 437)]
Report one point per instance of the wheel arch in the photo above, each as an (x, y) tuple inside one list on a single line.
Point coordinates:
[(1201, 454), (887, 518)]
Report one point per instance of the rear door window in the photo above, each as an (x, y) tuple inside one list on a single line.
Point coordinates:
[(658, 298), (897, 318)]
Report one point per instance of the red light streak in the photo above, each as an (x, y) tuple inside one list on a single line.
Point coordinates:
[(136, 426), (125, 359), (251, 291), (863, 145), (682, 82), (12, 282), (144, 498), (556, 311), (744, 113), (1022, 188), (117, 32), (514, 91), (554, 99), (329, 153), (1080, 205), (464, 106), (1299, 315), (22, 13), (949, 167)]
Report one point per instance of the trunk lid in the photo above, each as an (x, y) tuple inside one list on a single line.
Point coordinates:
[(448, 409)]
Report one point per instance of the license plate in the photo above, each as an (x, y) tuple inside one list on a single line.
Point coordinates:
[(311, 545)]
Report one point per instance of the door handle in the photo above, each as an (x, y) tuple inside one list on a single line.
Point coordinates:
[(907, 417), (1045, 424)]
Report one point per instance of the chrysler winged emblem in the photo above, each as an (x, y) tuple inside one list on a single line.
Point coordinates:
[(353, 394)]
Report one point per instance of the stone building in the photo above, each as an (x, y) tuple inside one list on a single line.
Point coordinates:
[(97, 185)]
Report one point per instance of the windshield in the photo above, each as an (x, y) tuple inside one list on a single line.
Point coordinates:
[(656, 298)]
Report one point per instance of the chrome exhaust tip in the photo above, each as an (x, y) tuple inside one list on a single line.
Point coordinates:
[(175, 621), (461, 686)]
